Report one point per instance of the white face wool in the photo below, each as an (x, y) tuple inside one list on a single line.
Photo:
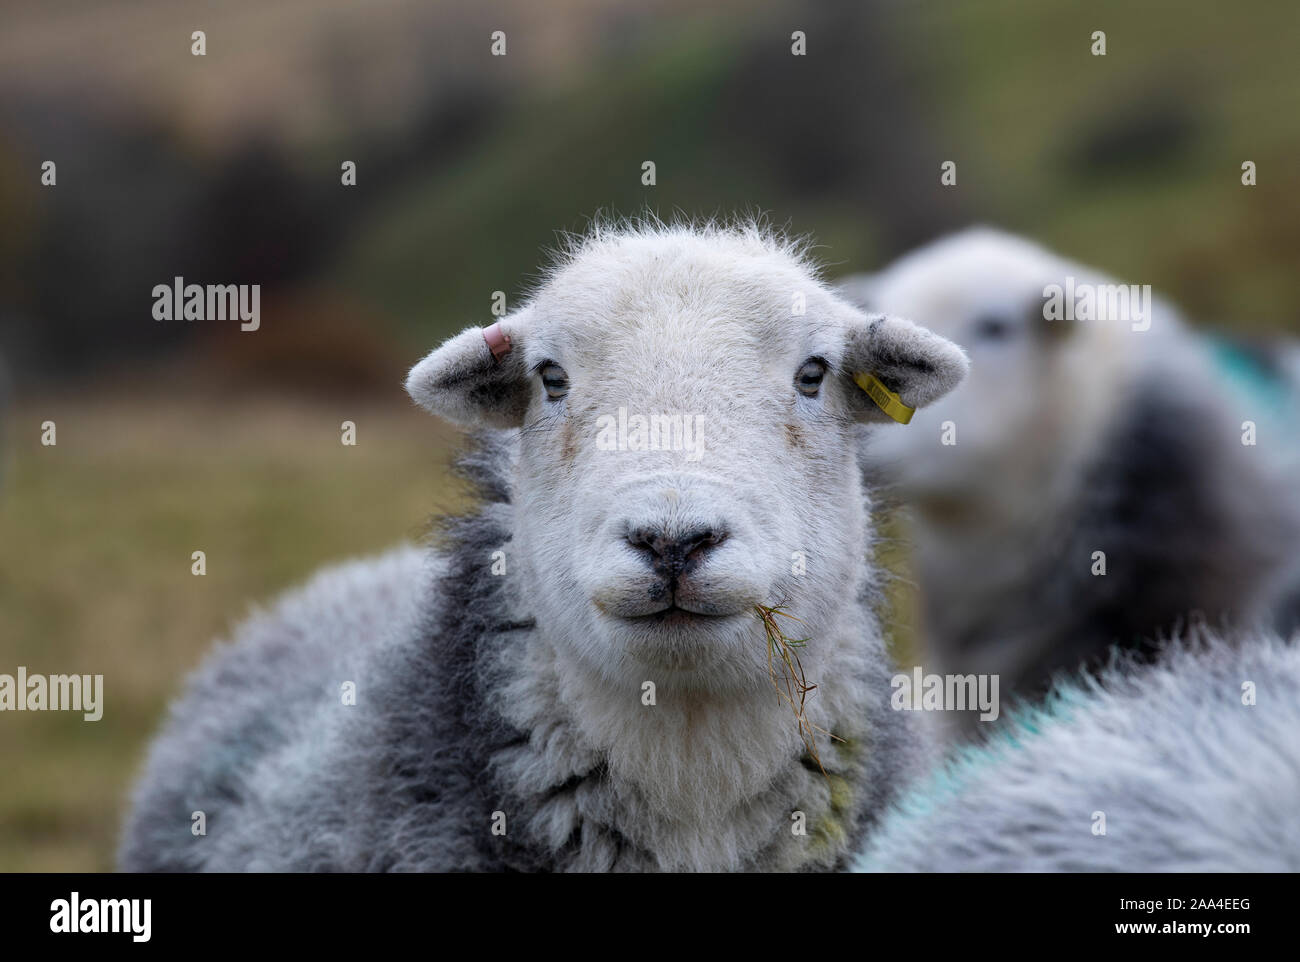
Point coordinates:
[(681, 418)]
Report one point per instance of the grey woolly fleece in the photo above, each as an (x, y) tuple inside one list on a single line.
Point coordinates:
[(1189, 777), (411, 777)]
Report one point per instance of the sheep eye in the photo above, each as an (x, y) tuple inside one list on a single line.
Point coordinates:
[(555, 381), (808, 379), (992, 328)]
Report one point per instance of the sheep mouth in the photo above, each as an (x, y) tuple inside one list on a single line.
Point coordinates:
[(675, 614)]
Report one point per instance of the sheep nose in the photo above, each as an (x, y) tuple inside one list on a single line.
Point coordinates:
[(670, 553)]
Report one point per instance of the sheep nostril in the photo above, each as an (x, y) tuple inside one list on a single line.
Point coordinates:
[(670, 554), (702, 540), (644, 539)]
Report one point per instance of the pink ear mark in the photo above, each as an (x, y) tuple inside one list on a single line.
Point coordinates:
[(498, 341)]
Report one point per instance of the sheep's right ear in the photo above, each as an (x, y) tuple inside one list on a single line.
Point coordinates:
[(477, 378)]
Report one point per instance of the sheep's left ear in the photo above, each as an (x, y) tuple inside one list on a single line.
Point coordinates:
[(477, 378), (914, 365)]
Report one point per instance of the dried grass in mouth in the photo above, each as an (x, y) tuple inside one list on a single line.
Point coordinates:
[(787, 675)]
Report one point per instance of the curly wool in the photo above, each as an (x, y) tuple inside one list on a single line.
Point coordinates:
[(1189, 777)]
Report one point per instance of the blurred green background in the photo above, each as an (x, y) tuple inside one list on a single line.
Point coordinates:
[(180, 436)]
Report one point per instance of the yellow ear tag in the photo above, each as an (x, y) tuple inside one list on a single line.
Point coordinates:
[(885, 399)]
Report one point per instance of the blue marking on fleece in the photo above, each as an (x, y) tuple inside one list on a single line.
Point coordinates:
[(1251, 379), (949, 779)]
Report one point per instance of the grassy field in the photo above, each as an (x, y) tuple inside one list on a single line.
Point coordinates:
[(96, 536)]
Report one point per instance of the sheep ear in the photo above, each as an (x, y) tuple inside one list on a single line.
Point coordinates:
[(916, 365), (477, 378)]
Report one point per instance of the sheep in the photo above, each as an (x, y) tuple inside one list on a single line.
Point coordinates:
[(576, 676), (1190, 764), (1088, 485)]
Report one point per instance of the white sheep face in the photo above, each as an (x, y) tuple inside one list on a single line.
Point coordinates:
[(687, 444), (1038, 389)]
